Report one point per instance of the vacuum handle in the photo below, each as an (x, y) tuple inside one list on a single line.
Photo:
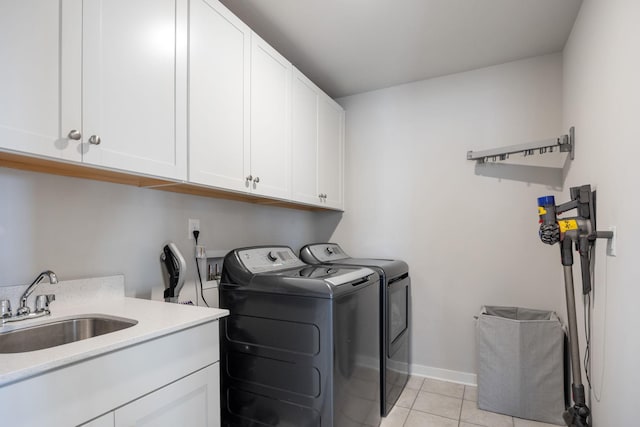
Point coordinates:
[(585, 265), (566, 252)]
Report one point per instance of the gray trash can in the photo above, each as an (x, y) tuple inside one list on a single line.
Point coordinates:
[(521, 363)]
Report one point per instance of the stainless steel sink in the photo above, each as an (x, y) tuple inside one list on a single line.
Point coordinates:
[(60, 332)]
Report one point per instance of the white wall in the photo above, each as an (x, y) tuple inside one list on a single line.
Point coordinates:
[(602, 99), (81, 228), (469, 233)]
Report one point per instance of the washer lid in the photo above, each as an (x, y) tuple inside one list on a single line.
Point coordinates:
[(276, 270)]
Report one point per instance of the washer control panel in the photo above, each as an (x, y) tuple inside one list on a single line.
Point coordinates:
[(260, 260)]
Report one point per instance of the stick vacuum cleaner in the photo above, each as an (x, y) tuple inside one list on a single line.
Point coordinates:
[(174, 267), (581, 232)]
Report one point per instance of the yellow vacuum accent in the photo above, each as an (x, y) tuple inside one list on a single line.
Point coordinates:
[(567, 224)]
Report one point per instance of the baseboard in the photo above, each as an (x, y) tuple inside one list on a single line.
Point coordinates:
[(466, 378)]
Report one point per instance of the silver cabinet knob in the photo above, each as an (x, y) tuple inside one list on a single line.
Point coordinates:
[(249, 178), (94, 139), (74, 134), (256, 180)]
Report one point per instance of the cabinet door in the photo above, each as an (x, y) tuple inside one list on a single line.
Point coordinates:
[(270, 121), (193, 401), (40, 74), (134, 85), (304, 119), (330, 151), (219, 78)]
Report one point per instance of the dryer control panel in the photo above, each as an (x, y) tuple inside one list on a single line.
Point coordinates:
[(325, 252), (260, 260)]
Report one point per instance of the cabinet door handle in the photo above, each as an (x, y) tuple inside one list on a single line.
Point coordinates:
[(94, 139), (249, 178), (75, 135), (256, 180)]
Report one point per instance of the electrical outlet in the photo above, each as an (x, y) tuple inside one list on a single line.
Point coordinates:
[(611, 243), (194, 225)]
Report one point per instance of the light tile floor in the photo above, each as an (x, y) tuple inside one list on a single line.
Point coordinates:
[(433, 403)]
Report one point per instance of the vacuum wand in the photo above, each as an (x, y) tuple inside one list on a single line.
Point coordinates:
[(578, 231)]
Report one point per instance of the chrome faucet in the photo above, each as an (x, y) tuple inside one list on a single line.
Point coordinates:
[(23, 309)]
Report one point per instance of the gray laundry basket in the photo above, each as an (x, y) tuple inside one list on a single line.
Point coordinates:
[(521, 363)]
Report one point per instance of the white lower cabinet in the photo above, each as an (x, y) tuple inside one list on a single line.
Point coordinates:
[(172, 380), (192, 401)]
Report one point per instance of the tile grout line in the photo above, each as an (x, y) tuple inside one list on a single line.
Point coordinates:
[(464, 392)]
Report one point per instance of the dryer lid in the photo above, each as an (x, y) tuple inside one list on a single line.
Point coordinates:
[(332, 253)]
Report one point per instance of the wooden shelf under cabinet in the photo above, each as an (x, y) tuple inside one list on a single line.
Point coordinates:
[(74, 170)]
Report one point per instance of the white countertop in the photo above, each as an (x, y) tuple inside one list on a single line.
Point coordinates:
[(154, 318)]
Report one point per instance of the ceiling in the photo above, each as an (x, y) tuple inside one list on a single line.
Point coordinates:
[(353, 46)]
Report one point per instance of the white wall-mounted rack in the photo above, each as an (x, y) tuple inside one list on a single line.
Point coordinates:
[(563, 143)]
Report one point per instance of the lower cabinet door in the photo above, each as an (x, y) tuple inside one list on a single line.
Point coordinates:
[(192, 401)]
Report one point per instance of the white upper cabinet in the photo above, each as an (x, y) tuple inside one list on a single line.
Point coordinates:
[(219, 96), (177, 89), (330, 152), (318, 127), (40, 77), (270, 161), (304, 118), (134, 81)]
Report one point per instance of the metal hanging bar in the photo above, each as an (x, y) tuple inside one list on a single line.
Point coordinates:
[(564, 143)]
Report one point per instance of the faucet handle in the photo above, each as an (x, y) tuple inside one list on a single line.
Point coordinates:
[(42, 302), (5, 309)]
